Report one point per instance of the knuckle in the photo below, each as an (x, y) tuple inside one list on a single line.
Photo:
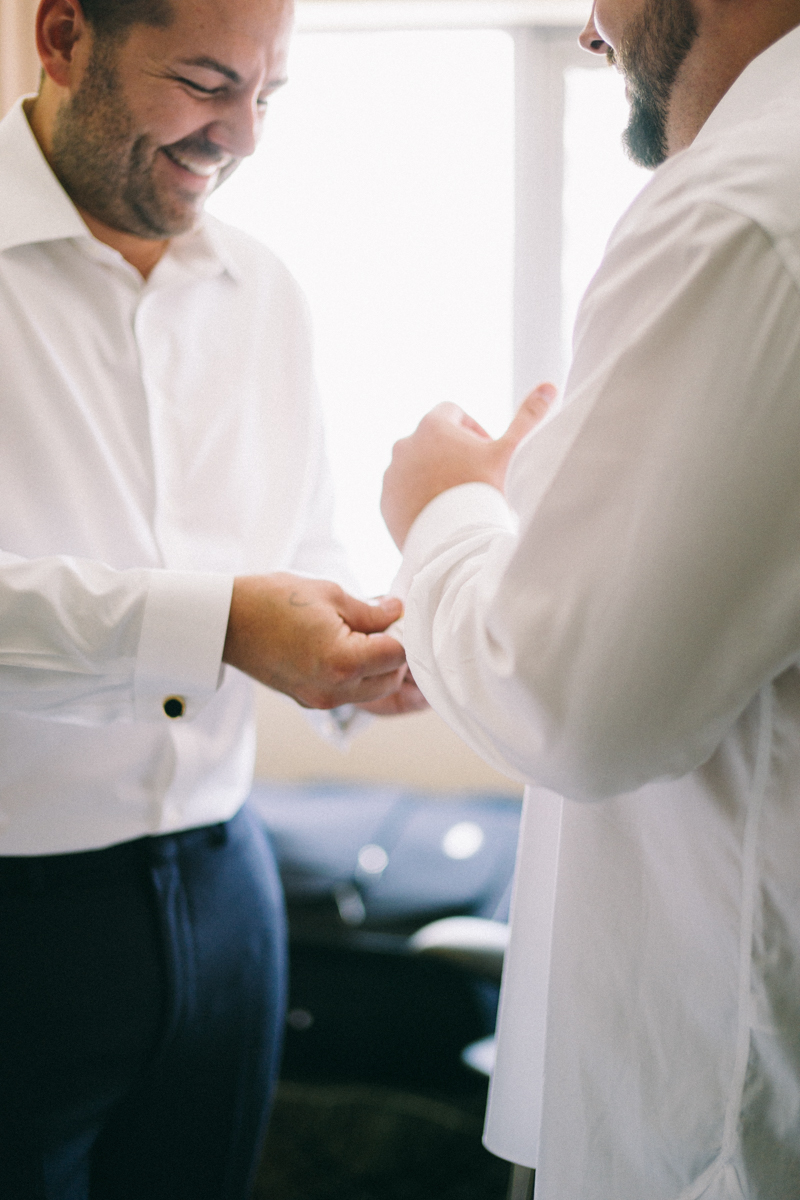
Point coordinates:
[(341, 674)]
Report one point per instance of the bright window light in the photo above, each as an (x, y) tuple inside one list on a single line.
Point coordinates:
[(599, 180), (385, 181)]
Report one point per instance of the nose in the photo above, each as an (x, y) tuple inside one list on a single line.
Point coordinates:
[(237, 129), (590, 39)]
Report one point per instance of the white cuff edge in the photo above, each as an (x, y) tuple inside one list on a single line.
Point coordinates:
[(180, 646), (467, 505)]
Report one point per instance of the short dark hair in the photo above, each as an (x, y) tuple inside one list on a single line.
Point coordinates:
[(113, 18)]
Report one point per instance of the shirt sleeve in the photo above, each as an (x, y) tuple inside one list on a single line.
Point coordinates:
[(86, 644), (654, 584)]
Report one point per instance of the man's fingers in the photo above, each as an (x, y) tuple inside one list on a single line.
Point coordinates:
[(470, 423), (448, 411), (454, 415), (375, 687), (358, 689), (533, 408), (373, 654), (360, 667), (407, 699), (370, 618)]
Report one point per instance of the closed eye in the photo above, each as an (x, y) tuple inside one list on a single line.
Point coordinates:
[(196, 87), (217, 91)]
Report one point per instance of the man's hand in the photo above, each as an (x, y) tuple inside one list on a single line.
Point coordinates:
[(310, 639), (407, 699), (447, 449)]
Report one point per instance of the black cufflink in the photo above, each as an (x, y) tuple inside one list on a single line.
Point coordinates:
[(174, 706)]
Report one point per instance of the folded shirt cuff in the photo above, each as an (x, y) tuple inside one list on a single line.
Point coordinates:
[(468, 506), (179, 660)]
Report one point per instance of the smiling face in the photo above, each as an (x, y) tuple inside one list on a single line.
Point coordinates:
[(648, 41), (158, 118)]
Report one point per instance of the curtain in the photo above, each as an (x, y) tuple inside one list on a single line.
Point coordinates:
[(19, 63)]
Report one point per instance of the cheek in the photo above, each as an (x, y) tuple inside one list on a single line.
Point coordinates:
[(166, 119)]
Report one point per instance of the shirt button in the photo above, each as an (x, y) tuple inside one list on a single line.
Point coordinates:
[(174, 706)]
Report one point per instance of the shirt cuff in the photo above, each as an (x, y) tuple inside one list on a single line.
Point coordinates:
[(467, 506), (179, 660)]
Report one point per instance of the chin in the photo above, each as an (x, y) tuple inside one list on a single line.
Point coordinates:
[(184, 224), (167, 223)]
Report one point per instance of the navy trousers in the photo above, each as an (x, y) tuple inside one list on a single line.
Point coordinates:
[(142, 995)]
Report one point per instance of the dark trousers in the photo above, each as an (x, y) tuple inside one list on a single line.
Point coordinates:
[(142, 993)]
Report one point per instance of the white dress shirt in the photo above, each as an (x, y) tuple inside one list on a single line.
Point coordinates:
[(623, 637), (158, 438)]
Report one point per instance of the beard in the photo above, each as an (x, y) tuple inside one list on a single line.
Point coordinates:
[(650, 54), (106, 166)]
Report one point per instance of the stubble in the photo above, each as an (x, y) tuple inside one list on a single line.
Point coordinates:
[(650, 55)]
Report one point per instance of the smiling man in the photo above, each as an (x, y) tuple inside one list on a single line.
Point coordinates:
[(162, 478), (623, 634)]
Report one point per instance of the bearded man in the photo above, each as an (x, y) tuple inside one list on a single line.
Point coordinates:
[(161, 472), (623, 633)]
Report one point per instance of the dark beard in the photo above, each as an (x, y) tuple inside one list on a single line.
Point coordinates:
[(650, 55), (104, 167), (92, 154)]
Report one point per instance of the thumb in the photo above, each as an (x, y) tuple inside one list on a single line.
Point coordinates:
[(533, 408), (372, 617)]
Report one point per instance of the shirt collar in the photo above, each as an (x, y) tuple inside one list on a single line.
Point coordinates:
[(773, 74), (204, 251), (36, 208)]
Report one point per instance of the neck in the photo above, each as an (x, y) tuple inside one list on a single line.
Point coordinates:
[(731, 35), (141, 253)]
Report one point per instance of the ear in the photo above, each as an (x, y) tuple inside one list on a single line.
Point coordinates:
[(60, 26)]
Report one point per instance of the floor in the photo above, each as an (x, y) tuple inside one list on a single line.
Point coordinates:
[(367, 1142)]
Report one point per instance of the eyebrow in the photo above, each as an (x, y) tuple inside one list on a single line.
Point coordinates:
[(211, 64)]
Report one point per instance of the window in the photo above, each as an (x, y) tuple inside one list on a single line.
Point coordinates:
[(436, 192)]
